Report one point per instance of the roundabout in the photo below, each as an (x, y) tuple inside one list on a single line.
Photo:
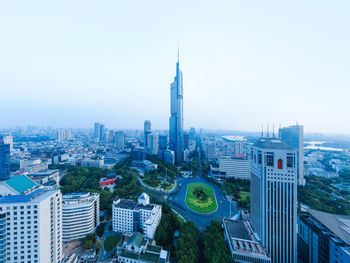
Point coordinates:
[(201, 198)]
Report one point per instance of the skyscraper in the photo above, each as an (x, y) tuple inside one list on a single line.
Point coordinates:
[(294, 137), (153, 149), (176, 139), (147, 128), (97, 131), (4, 161), (102, 133), (163, 142), (273, 202), (120, 139)]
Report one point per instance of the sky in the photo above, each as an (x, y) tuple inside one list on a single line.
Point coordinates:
[(245, 63)]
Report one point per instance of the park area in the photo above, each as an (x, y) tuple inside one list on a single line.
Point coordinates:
[(201, 198)]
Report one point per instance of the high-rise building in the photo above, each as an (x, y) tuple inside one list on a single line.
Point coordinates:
[(97, 131), (147, 132), (294, 137), (153, 149), (163, 142), (186, 141), (102, 133), (210, 152), (273, 202), (3, 245), (8, 139), (176, 139), (192, 133), (4, 161), (120, 140), (34, 226), (80, 215)]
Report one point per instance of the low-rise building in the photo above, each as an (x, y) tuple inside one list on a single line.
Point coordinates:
[(80, 215), (243, 242), (17, 185), (144, 165), (323, 237), (132, 216), (138, 249), (236, 166)]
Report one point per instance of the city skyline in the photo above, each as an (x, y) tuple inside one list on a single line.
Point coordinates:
[(83, 67)]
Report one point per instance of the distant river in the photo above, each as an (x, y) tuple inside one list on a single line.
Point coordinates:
[(234, 138), (317, 145)]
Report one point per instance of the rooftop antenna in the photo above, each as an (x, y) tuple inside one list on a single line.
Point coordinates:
[(273, 130), (279, 131), (262, 130), (267, 131)]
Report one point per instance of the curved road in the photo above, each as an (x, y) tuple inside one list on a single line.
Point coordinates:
[(176, 200)]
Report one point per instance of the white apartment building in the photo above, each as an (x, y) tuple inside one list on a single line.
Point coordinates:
[(132, 216), (237, 167), (80, 215), (34, 226)]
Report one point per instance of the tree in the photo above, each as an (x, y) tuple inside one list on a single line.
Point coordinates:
[(214, 247)]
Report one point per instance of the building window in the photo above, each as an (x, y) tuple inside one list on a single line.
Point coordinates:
[(269, 159), (280, 164)]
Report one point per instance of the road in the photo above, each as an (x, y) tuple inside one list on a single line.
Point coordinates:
[(176, 200)]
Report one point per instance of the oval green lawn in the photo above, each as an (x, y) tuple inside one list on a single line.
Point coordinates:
[(197, 205)]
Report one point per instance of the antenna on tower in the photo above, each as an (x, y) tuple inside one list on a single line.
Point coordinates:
[(273, 130), (267, 131), (178, 52), (279, 132)]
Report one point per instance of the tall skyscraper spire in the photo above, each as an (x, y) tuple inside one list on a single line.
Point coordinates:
[(176, 141)]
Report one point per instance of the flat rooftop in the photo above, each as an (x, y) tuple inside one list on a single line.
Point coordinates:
[(132, 205)]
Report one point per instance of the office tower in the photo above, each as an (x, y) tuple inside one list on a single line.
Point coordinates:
[(192, 133), (139, 153), (8, 139), (4, 161), (153, 149), (80, 215), (186, 141), (236, 167), (134, 216), (102, 133), (273, 202), (120, 140), (110, 137), (97, 131), (34, 226), (147, 132), (294, 137), (163, 142), (210, 152), (239, 147), (176, 140)]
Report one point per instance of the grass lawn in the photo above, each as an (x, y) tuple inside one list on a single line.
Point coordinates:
[(201, 198), (244, 196), (111, 242)]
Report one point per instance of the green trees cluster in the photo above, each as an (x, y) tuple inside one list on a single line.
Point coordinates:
[(187, 249), (169, 223), (319, 194), (234, 187), (89, 241), (214, 246), (164, 167)]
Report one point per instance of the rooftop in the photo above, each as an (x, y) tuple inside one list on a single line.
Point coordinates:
[(132, 205), (36, 195), (21, 183), (242, 239), (272, 143), (338, 224)]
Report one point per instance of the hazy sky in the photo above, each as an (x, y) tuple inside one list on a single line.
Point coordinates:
[(70, 63)]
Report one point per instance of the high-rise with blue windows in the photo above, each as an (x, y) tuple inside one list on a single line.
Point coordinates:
[(4, 161), (294, 137), (176, 140)]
